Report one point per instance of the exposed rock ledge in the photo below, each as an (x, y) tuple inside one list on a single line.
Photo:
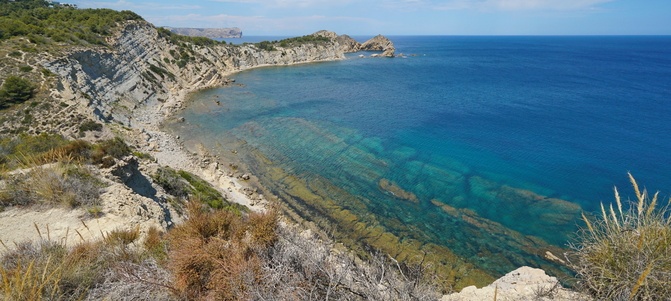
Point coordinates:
[(522, 284)]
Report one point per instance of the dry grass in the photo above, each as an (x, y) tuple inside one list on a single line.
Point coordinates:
[(217, 253), (214, 255), (70, 185), (626, 254), (31, 280), (49, 270)]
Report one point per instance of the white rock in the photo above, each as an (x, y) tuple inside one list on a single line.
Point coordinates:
[(523, 284)]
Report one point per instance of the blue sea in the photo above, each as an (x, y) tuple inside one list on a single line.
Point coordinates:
[(521, 132)]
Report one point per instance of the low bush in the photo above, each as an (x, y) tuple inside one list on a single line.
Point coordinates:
[(115, 148), (171, 182), (183, 185), (15, 90), (218, 255), (625, 254), (203, 191), (90, 125)]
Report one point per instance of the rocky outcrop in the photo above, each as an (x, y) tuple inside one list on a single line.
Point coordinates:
[(347, 44), (380, 43), (212, 33), (522, 284)]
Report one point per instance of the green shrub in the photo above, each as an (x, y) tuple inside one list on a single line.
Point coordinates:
[(46, 72), (46, 21), (15, 90), (116, 148), (626, 255), (297, 41), (203, 191), (90, 125), (171, 182), (265, 45), (144, 156), (183, 185)]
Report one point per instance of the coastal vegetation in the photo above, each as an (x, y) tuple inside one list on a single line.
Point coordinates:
[(625, 254), (296, 41), (15, 90), (185, 185), (55, 171), (292, 42), (45, 22), (213, 254)]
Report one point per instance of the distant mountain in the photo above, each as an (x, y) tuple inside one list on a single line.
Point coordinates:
[(212, 33)]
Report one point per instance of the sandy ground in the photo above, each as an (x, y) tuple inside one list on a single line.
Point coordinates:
[(55, 224)]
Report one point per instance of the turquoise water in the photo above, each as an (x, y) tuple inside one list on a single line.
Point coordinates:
[(514, 129)]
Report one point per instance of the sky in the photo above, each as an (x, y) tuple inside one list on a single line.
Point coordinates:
[(406, 17)]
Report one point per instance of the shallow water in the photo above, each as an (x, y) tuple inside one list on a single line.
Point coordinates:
[(489, 146)]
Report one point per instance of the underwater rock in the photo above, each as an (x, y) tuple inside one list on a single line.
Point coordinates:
[(553, 218), (398, 192)]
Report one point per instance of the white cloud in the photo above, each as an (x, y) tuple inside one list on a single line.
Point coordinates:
[(291, 3), (543, 4), (505, 5), (258, 24), (128, 5)]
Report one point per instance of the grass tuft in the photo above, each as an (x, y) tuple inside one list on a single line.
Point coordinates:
[(625, 255)]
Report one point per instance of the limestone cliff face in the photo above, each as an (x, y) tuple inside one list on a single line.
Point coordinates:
[(144, 69)]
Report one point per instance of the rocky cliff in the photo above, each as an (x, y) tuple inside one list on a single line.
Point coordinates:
[(143, 69)]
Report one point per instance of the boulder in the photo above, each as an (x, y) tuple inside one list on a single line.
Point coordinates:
[(524, 283)]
